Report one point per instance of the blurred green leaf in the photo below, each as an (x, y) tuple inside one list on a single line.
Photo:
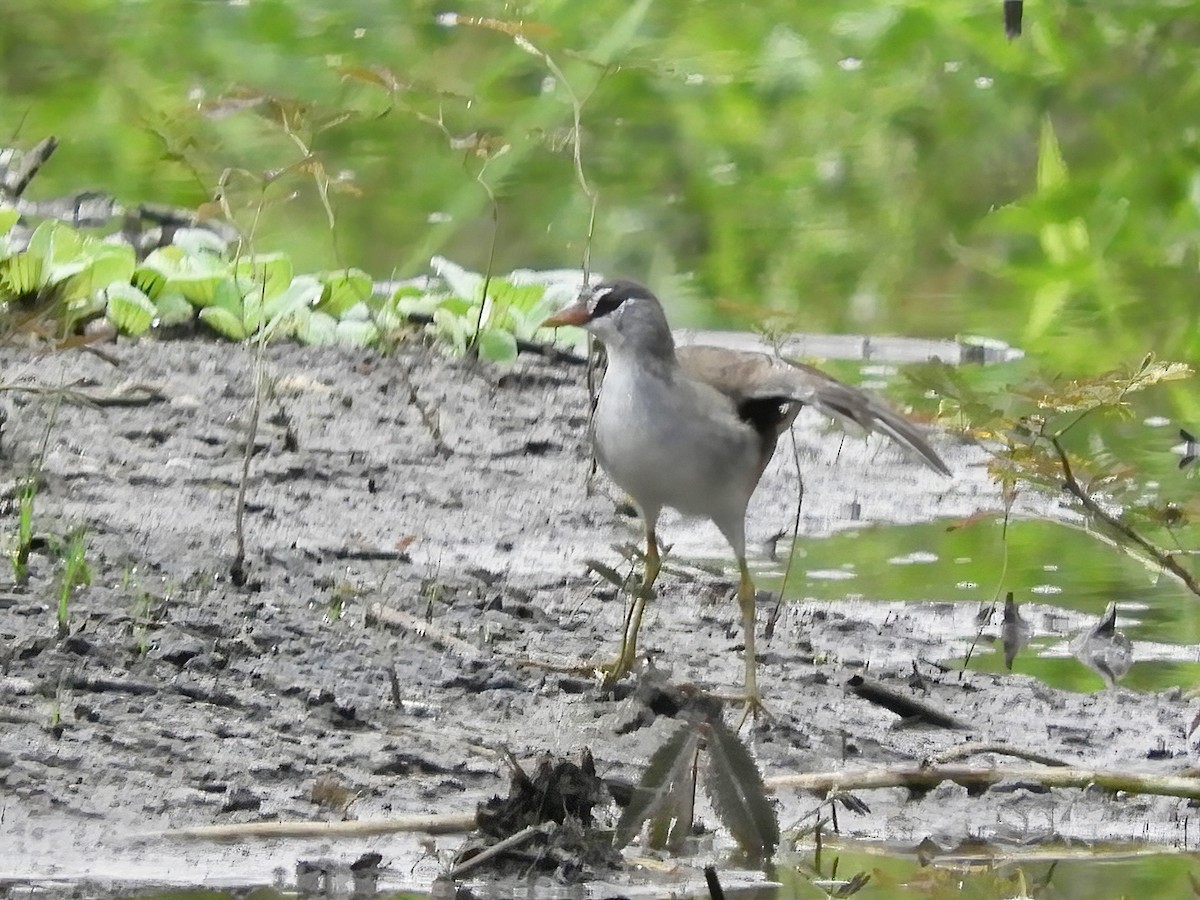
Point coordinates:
[(317, 328), (357, 333), (128, 308), (272, 270), (173, 309), (497, 346), (344, 289), (224, 322), (21, 273), (8, 218)]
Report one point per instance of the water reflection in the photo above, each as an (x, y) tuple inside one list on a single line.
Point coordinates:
[(1062, 579)]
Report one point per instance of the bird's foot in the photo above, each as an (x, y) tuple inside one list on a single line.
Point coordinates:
[(611, 672), (755, 709), (752, 706)]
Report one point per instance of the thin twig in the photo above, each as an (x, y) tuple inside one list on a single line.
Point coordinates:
[(521, 837), (576, 143), (237, 569), (473, 347), (1073, 487), (971, 748)]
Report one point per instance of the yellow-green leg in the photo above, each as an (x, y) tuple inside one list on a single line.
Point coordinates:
[(746, 595), (633, 621)]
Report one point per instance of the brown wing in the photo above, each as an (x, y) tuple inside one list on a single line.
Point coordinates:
[(753, 380), (745, 378)]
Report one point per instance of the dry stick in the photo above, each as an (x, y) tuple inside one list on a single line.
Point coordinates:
[(925, 778), (905, 707), (503, 846), (1073, 487), (973, 747), (912, 777), (237, 569), (444, 823)]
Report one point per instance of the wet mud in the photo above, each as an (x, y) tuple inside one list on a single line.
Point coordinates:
[(417, 531)]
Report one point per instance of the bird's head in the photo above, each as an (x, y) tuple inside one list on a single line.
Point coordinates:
[(623, 315)]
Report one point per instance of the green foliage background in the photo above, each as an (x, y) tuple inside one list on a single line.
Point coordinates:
[(881, 167)]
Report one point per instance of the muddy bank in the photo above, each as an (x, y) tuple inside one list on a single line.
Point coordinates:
[(457, 496)]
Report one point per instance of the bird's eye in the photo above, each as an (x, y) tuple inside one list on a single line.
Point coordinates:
[(606, 302)]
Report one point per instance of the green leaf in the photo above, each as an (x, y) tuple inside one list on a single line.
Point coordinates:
[(203, 289), (1063, 243), (462, 284), (224, 322), (271, 270), (344, 289), (167, 260), (149, 281), (1051, 168), (102, 264), (497, 346), (1112, 388), (317, 328), (54, 242), (455, 327), (517, 308), (42, 240), (1048, 301), (355, 333), (173, 309), (412, 301), (283, 312), (8, 218), (21, 273), (736, 789), (128, 308), (667, 773)]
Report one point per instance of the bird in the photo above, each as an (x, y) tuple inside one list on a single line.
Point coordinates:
[(693, 428), (1103, 649), (1015, 631), (1188, 450)]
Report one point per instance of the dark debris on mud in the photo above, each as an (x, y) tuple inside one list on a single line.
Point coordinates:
[(456, 497)]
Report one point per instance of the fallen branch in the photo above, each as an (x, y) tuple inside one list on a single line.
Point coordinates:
[(907, 708), (445, 823), (923, 779)]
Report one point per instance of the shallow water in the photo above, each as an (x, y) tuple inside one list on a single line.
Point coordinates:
[(1062, 579)]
